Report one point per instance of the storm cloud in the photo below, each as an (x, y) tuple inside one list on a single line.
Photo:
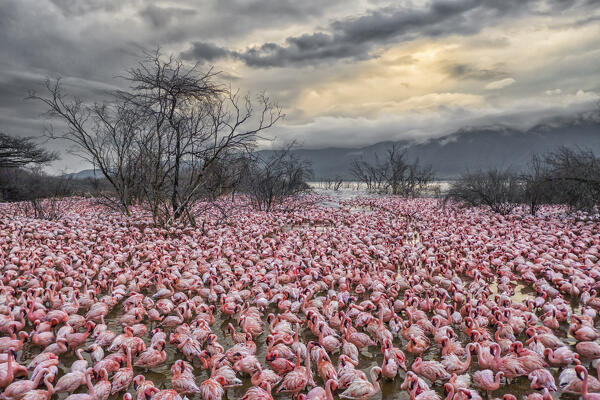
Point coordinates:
[(358, 37), (351, 71)]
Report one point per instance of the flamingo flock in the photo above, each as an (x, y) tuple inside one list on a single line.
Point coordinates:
[(375, 298)]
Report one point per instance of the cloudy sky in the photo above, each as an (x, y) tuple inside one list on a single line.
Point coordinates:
[(347, 72)]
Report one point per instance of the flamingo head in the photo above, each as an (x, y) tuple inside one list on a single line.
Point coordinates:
[(148, 393), (448, 388), (221, 380), (444, 341), (580, 371)]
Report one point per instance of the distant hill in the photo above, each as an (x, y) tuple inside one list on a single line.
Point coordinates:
[(469, 148), (474, 148), (85, 174)]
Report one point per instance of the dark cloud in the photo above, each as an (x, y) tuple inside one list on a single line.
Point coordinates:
[(222, 20), (160, 17), (301, 50), (90, 42), (202, 52), (357, 37), (297, 10), (82, 7), (469, 71)]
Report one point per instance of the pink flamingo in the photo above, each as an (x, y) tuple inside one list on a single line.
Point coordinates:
[(11, 369), (85, 396), (431, 370), (212, 388), (389, 367), (297, 379), (37, 394), (153, 356), (582, 373), (123, 376), (258, 393), (486, 380), (102, 387), (560, 357), (589, 350), (17, 389), (318, 393), (362, 389)]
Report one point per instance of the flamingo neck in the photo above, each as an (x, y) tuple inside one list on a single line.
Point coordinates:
[(308, 369), (9, 372), (374, 380), (128, 357), (584, 389), (38, 379), (468, 360), (88, 381), (328, 393), (450, 394), (49, 386), (497, 353), (497, 379)]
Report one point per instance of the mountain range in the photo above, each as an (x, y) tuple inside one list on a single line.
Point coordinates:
[(475, 148), (472, 148)]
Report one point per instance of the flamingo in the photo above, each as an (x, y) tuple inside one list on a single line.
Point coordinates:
[(153, 356), (37, 394), (582, 374), (123, 377), (103, 387), (486, 380), (297, 379), (212, 388), (85, 396), (363, 389), (17, 389), (431, 370)]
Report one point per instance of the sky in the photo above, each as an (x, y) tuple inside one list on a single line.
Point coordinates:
[(347, 73)]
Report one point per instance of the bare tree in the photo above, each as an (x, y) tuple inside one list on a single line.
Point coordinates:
[(368, 174), (273, 178), (501, 191), (21, 152), (538, 187), (226, 175), (36, 194), (105, 135), (156, 141), (393, 174), (332, 183), (574, 175)]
